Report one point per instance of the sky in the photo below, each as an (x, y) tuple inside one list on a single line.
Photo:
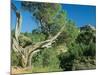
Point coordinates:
[(80, 14)]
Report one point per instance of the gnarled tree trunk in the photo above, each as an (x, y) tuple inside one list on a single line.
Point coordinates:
[(27, 52)]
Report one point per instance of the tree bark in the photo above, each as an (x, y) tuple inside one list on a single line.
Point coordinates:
[(27, 52)]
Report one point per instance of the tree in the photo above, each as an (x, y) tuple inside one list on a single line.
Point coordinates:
[(87, 35), (47, 58), (81, 52), (49, 15), (87, 38), (69, 34), (29, 50)]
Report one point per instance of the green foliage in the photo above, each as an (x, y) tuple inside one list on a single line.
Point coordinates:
[(86, 37), (91, 50), (72, 32), (45, 69), (81, 53), (49, 15), (83, 63), (38, 37), (43, 11), (80, 44), (12, 32), (35, 36), (66, 61), (15, 59), (69, 34), (46, 58), (25, 40)]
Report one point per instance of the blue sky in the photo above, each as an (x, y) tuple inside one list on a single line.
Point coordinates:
[(80, 14)]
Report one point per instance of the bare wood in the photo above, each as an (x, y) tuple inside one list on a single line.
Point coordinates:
[(27, 52), (18, 25)]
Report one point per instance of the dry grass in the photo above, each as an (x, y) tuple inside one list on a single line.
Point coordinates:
[(19, 70)]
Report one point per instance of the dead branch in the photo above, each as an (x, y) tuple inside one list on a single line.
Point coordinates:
[(27, 52)]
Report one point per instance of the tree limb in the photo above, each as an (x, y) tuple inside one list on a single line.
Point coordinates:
[(43, 44), (29, 50)]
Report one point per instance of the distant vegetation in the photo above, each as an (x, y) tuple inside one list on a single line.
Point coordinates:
[(60, 45)]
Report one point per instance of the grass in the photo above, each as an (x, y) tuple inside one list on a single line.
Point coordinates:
[(19, 70), (45, 69)]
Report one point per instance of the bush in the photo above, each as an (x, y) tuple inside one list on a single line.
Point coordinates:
[(15, 60), (46, 58)]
